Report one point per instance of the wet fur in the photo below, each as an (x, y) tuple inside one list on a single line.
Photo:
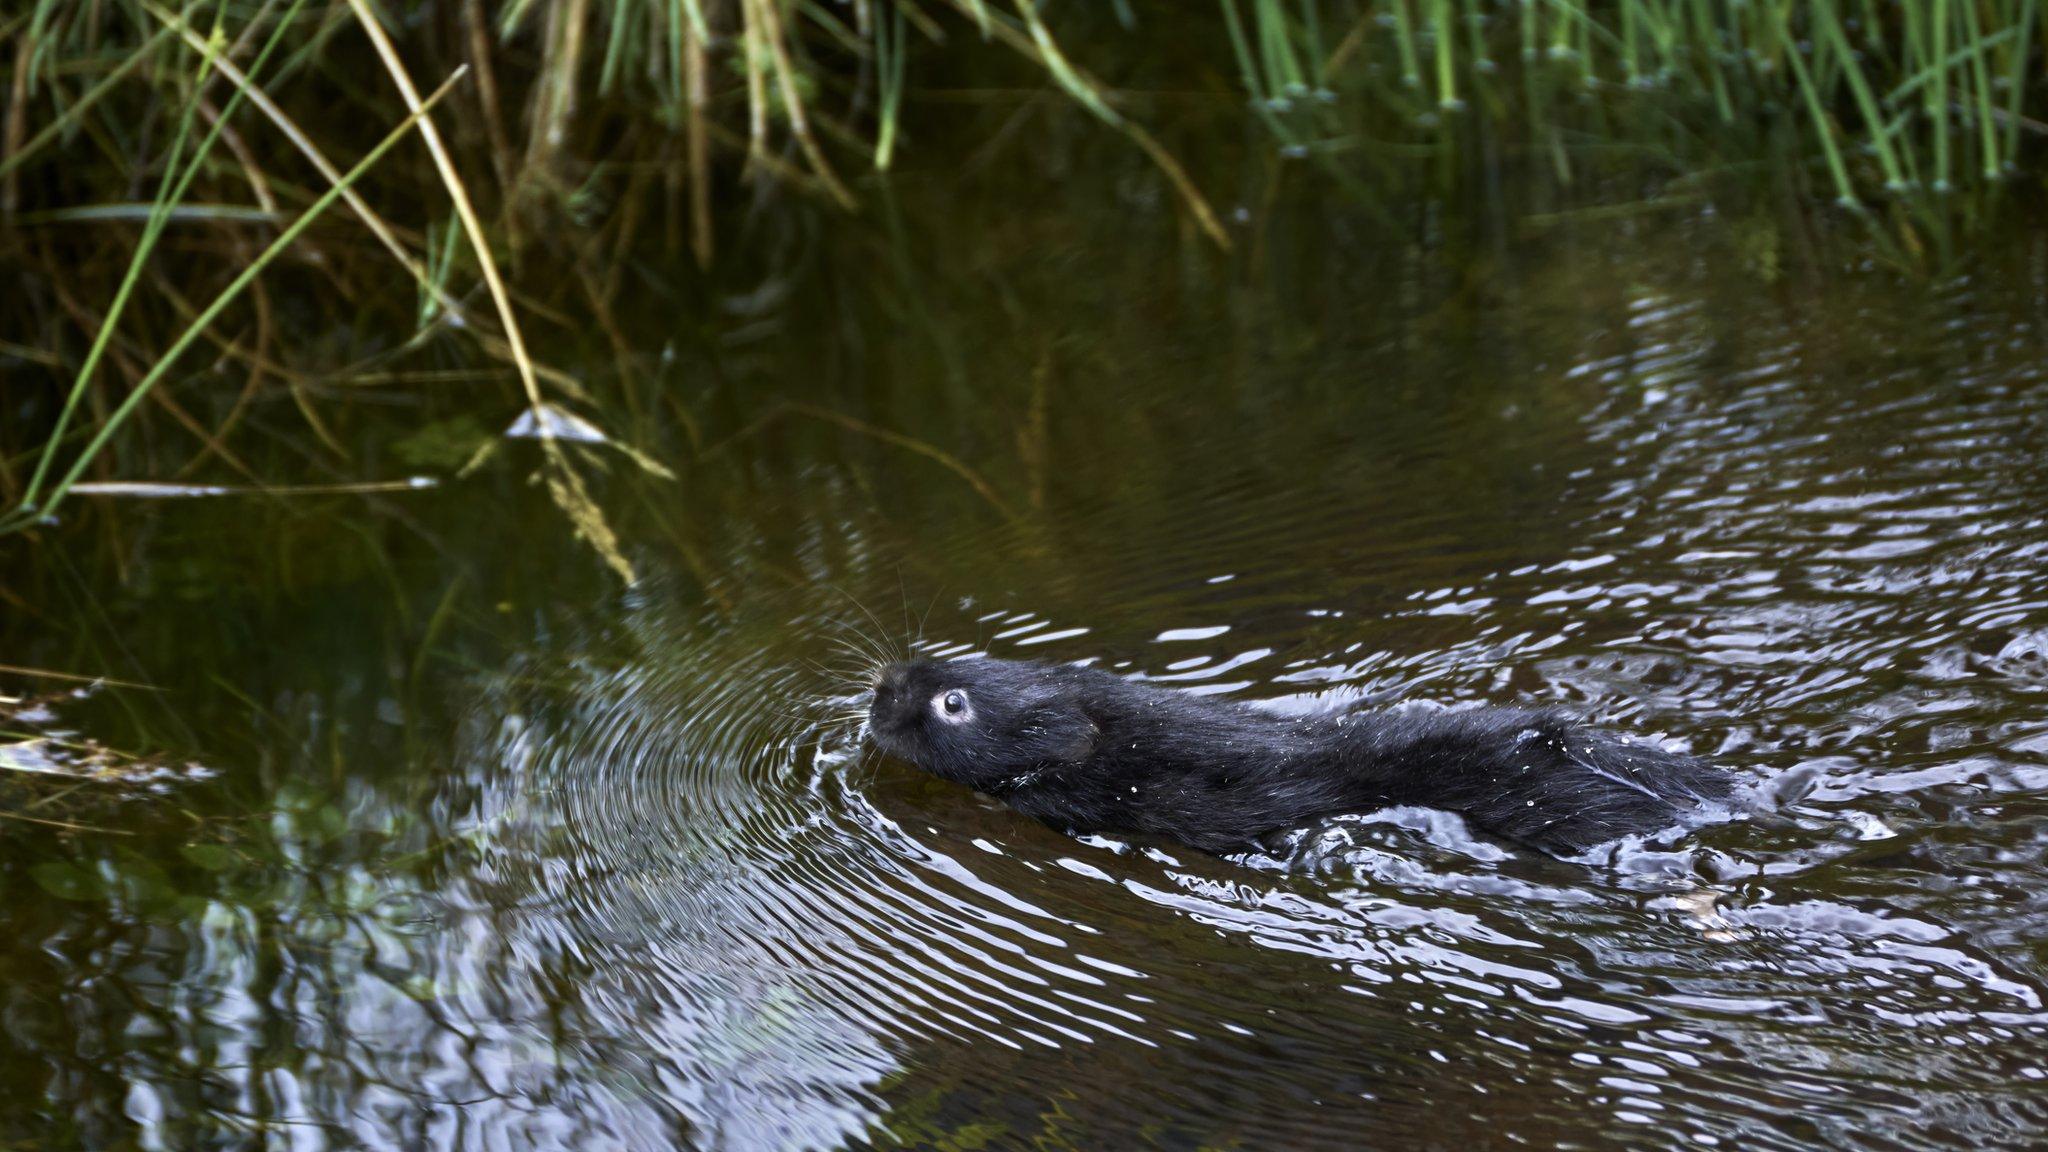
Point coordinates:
[(1087, 751)]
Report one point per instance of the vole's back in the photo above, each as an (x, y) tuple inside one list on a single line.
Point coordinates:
[(1223, 775), (1538, 777)]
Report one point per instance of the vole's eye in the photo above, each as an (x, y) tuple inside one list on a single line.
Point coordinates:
[(952, 707)]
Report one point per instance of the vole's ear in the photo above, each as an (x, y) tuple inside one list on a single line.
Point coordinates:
[(1059, 731)]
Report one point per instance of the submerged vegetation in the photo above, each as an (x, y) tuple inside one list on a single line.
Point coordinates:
[(214, 207)]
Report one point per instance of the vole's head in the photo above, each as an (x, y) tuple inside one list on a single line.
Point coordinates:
[(989, 724)]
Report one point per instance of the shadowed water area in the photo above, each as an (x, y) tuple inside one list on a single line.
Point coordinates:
[(452, 842)]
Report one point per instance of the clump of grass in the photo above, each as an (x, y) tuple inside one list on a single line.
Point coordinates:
[(595, 129), (47, 488), (221, 102), (1899, 100)]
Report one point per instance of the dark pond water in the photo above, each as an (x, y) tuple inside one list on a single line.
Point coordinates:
[(482, 852)]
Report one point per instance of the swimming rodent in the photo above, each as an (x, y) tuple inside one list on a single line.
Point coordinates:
[(1085, 751)]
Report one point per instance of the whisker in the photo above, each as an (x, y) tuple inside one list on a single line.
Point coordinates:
[(921, 620), (855, 640), (903, 592), (880, 631), (854, 672), (860, 650)]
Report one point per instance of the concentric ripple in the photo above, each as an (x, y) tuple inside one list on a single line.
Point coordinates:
[(730, 923)]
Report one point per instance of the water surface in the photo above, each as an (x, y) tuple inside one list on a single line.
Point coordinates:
[(451, 842)]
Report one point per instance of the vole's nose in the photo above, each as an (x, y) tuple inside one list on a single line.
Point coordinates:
[(888, 685)]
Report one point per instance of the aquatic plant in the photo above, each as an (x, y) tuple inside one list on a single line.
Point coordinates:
[(1898, 98), (589, 132)]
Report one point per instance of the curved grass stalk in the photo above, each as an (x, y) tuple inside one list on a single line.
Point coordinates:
[(1077, 85), (486, 263), (305, 146), (24, 515), (563, 482), (793, 103), (929, 451), (83, 104), (1061, 69), (374, 221), (172, 188)]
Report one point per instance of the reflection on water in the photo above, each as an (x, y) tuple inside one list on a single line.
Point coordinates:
[(637, 882)]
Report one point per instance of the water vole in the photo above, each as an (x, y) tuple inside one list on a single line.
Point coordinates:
[(1087, 751)]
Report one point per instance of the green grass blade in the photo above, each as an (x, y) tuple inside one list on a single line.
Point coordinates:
[(84, 103), (1845, 192), (227, 296), (1061, 69), (169, 189), (1859, 89), (2016, 87), (1404, 42), (1980, 85), (163, 210)]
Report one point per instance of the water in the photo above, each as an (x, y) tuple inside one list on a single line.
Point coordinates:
[(443, 840)]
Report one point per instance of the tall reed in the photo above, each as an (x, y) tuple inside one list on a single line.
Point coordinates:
[(1900, 98), (150, 151)]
